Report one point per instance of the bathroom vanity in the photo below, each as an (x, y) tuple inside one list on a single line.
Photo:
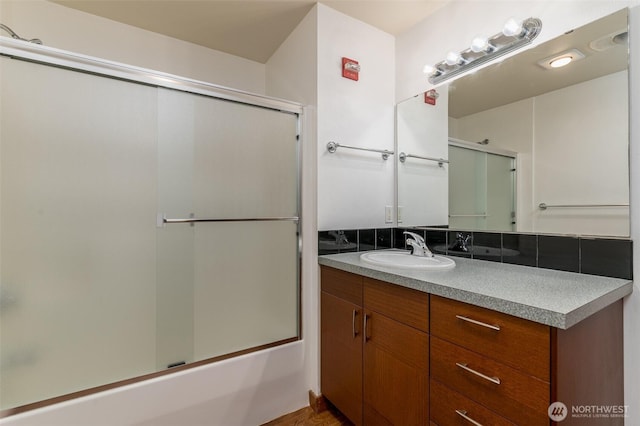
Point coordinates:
[(484, 343)]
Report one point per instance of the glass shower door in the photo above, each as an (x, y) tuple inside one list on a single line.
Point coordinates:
[(467, 188), (77, 241), (228, 284), (481, 190), (96, 287)]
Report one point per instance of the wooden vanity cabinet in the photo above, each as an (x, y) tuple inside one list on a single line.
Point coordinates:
[(374, 350), (396, 356), (494, 368)]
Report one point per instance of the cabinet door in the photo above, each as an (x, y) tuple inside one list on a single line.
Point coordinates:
[(341, 355), (396, 373)]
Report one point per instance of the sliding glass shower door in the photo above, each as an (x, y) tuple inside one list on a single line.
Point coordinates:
[(481, 190), (100, 280), (233, 273)]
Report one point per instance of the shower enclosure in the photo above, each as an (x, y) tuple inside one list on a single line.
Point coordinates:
[(482, 189), (146, 222)]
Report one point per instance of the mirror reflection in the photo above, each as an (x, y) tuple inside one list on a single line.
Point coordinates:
[(531, 146)]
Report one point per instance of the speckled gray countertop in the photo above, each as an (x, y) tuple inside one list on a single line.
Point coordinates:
[(556, 298)]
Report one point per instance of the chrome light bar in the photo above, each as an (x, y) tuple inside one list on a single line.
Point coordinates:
[(514, 36)]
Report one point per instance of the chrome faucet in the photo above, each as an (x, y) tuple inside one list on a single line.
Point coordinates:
[(461, 242), (418, 245), (341, 238)]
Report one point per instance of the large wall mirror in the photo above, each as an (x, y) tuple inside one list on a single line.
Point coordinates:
[(528, 147)]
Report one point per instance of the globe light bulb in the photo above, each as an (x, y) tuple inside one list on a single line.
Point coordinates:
[(453, 58), (512, 27), (429, 69), (480, 44)]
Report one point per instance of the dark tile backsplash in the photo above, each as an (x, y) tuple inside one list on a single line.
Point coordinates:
[(460, 244), (487, 246), (398, 238), (595, 256), (520, 249), (384, 238), (366, 239), (611, 258), (333, 242), (560, 253), (436, 241)]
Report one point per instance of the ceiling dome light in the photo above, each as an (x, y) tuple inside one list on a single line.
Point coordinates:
[(480, 44), (512, 27), (453, 58), (560, 62), (561, 59)]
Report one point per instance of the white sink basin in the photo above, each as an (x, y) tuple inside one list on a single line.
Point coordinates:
[(405, 260)]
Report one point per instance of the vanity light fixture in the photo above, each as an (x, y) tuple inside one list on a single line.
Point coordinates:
[(514, 35)]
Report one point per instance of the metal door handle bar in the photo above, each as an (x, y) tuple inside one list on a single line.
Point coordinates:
[(480, 323), (366, 334), (477, 373), (544, 206), (463, 414), (333, 147), (353, 323), (403, 157), (163, 220)]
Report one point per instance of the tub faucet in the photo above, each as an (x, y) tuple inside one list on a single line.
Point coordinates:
[(418, 246)]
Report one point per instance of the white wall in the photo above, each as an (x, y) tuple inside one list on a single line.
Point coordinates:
[(587, 150), (69, 29), (577, 135), (632, 303), (292, 71), (292, 74), (354, 186), (416, 48)]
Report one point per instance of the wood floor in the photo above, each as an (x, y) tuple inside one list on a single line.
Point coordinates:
[(307, 417)]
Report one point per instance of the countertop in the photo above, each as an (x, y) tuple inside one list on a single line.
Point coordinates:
[(556, 298)]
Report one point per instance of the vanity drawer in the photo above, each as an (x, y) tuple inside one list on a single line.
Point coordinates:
[(344, 285), (510, 393), (405, 305), (450, 408), (522, 344)]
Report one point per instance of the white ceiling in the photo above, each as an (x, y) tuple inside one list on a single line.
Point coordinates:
[(252, 29)]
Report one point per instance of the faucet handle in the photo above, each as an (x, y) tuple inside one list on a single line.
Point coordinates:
[(418, 238)]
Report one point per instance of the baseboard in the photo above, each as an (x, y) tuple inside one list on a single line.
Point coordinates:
[(317, 402)]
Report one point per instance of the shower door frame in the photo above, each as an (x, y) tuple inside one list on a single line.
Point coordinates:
[(49, 56)]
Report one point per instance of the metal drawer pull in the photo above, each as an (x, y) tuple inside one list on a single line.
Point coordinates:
[(353, 323), (483, 324), (463, 414), (472, 371)]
